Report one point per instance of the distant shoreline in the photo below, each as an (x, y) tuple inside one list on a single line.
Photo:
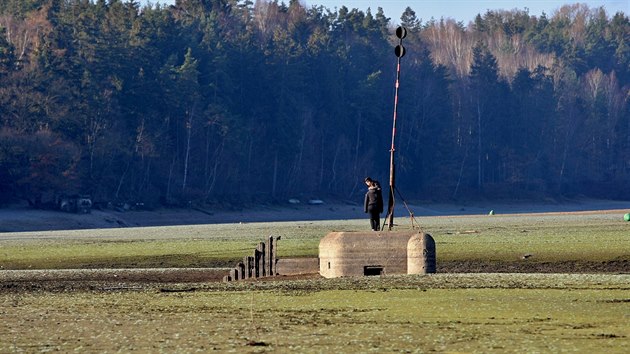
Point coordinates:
[(21, 218)]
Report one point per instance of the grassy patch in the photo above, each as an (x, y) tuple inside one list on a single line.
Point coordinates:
[(499, 238), (443, 313)]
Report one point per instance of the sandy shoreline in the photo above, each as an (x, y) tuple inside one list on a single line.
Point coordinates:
[(22, 218)]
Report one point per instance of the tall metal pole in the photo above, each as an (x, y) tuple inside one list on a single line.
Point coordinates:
[(401, 32)]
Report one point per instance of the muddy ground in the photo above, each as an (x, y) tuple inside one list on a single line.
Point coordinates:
[(138, 279)]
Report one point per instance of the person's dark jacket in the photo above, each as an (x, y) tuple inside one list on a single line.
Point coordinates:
[(373, 200)]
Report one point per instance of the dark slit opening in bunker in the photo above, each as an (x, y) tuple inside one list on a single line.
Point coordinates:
[(372, 270)]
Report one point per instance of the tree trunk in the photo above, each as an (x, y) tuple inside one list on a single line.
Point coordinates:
[(275, 175), (479, 151), (187, 156)]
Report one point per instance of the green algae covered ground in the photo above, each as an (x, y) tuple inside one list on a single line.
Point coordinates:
[(482, 313), (578, 239), (581, 304)]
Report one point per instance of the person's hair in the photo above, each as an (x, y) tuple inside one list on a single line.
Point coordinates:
[(368, 179)]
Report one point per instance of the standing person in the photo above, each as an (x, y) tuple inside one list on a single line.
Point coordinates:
[(373, 203)]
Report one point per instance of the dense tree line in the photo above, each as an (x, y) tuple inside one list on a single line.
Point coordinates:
[(241, 101)]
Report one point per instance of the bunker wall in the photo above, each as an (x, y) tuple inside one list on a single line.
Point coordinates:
[(363, 253)]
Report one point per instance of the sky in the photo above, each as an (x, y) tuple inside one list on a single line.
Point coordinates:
[(460, 10)]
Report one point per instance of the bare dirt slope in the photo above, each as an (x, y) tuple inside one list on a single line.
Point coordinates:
[(19, 218)]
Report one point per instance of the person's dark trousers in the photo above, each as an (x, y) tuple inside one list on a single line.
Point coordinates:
[(375, 219)]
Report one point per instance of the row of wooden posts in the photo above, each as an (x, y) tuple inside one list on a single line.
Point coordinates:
[(261, 264)]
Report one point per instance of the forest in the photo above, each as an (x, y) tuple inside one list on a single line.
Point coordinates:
[(242, 102)]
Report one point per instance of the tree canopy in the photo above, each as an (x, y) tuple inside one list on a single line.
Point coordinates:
[(226, 101)]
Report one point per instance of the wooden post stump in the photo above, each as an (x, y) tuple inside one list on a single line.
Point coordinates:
[(260, 260), (248, 265), (261, 264), (271, 255), (241, 270)]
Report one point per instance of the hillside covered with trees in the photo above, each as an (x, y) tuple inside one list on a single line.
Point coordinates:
[(239, 101)]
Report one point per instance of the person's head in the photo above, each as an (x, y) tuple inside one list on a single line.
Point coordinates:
[(368, 181)]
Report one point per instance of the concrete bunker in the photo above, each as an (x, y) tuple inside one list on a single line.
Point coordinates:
[(343, 254)]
